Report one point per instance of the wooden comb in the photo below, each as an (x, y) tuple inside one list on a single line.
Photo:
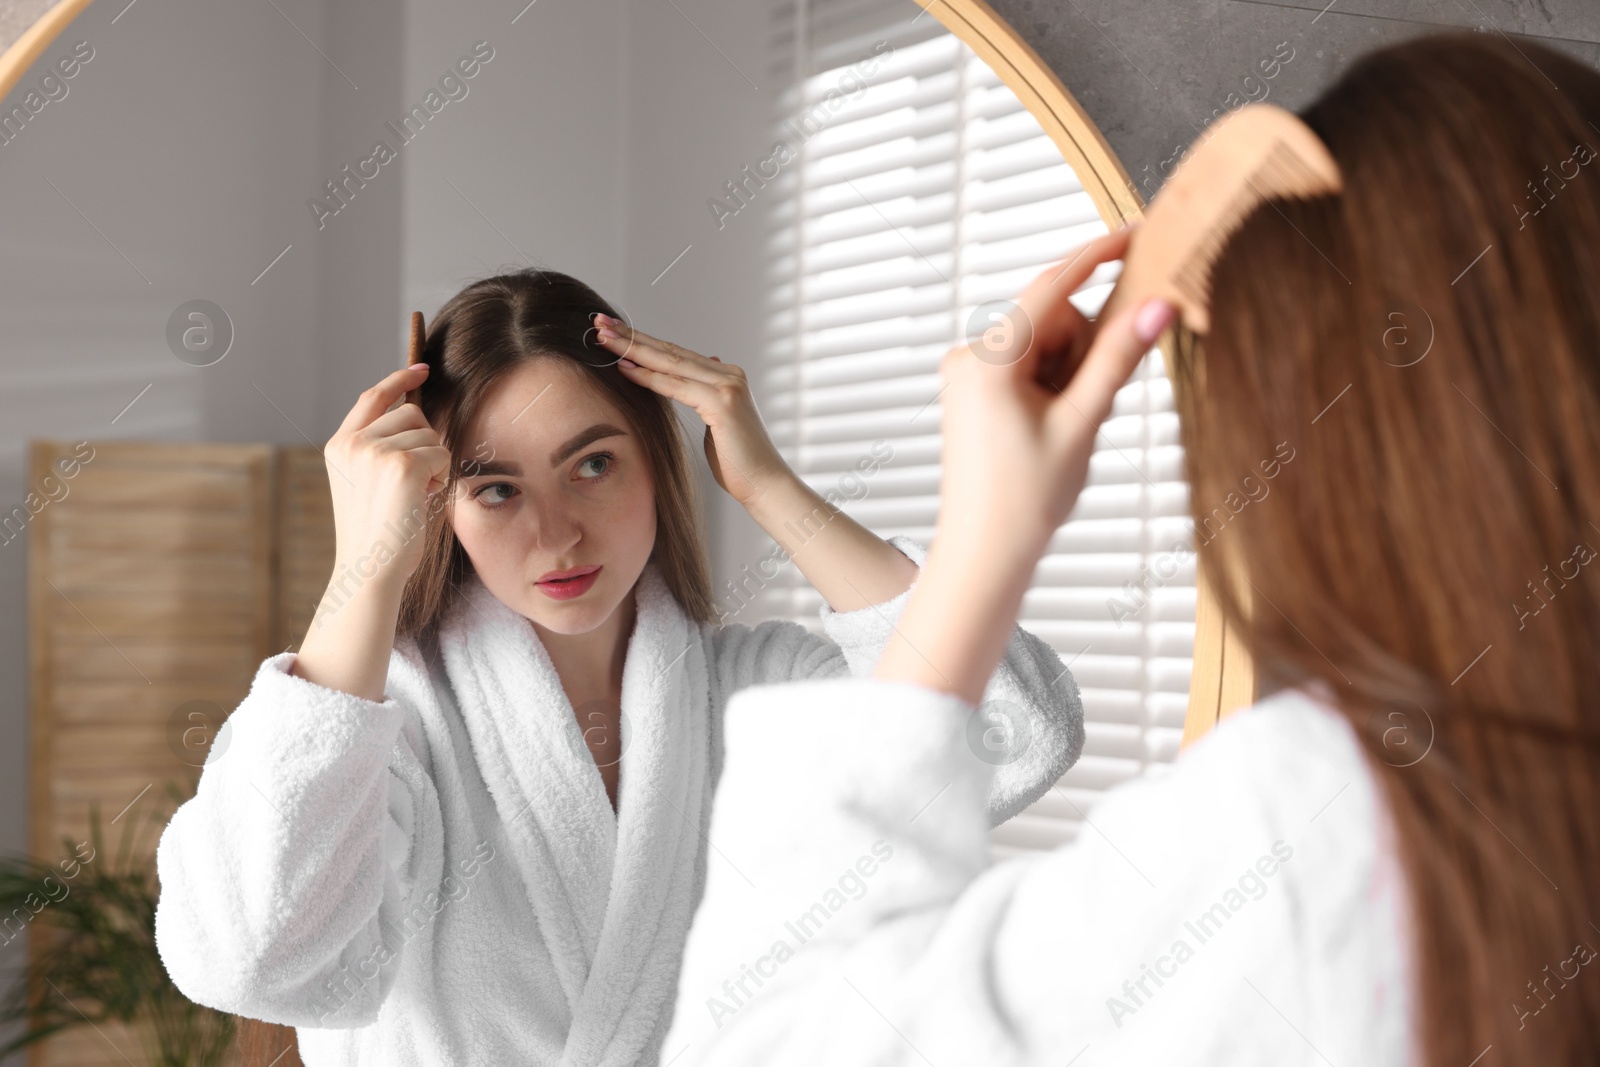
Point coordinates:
[(1257, 152), (418, 337)]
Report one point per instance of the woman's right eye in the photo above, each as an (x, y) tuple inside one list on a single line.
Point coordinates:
[(492, 501)]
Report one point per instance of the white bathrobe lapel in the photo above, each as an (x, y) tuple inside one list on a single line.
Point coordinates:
[(613, 893)]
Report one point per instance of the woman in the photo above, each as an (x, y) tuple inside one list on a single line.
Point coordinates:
[(1394, 856), (482, 840)]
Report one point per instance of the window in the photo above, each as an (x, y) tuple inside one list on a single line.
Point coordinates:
[(918, 190)]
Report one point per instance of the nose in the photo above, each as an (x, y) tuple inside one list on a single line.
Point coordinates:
[(554, 528)]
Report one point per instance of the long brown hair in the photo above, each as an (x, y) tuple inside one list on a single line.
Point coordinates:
[(1428, 343), (489, 328)]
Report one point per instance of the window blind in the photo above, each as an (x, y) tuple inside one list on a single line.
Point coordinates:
[(917, 190)]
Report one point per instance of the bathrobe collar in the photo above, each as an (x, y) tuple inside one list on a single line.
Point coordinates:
[(612, 891)]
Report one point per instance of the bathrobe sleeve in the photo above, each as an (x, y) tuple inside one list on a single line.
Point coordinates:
[(1029, 726), (304, 832), (1231, 911)]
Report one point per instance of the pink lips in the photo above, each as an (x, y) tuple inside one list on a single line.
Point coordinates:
[(568, 584)]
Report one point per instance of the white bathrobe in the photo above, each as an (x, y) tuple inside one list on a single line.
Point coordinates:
[(440, 879), (1245, 909)]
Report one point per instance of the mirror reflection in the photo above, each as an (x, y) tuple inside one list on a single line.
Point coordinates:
[(445, 649)]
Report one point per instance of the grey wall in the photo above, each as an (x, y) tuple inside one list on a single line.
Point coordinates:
[(1153, 73)]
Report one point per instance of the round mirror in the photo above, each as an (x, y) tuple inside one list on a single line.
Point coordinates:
[(222, 217)]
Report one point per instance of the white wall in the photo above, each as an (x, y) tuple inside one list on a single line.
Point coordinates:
[(701, 106), (590, 145), (526, 169)]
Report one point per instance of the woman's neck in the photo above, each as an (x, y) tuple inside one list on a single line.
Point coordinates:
[(590, 664), (590, 668)]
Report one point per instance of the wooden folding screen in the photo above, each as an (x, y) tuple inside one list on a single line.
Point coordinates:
[(160, 575)]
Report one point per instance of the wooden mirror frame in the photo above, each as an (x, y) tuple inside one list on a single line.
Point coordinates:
[(20, 56), (1223, 677)]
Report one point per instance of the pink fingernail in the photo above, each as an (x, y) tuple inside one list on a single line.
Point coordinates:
[(1156, 315)]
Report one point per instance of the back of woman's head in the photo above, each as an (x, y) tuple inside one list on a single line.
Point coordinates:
[(495, 325), (1425, 348)]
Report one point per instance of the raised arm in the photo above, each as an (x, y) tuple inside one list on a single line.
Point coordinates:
[(851, 566), (1003, 412), (387, 471)]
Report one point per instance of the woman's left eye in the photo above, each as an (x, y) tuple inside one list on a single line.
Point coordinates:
[(606, 459)]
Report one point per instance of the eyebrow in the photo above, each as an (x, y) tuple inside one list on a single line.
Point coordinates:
[(598, 431), (594, 433)]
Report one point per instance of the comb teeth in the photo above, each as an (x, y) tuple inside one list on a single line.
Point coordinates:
[(1281, 171), (1257, 153)]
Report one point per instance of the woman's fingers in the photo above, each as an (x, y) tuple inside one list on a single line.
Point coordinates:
[(1044, 306), (436, 458), (376, 400), (673, 371), (1119, 345), (657, 355), (405, 417), (697, 394), (407, 440)]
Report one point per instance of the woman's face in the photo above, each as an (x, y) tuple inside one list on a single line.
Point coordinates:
[(552, 479)]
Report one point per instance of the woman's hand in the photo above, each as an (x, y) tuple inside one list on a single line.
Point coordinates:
[(742, 457), (1016, 454), (1015, 446), (384, 468)]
